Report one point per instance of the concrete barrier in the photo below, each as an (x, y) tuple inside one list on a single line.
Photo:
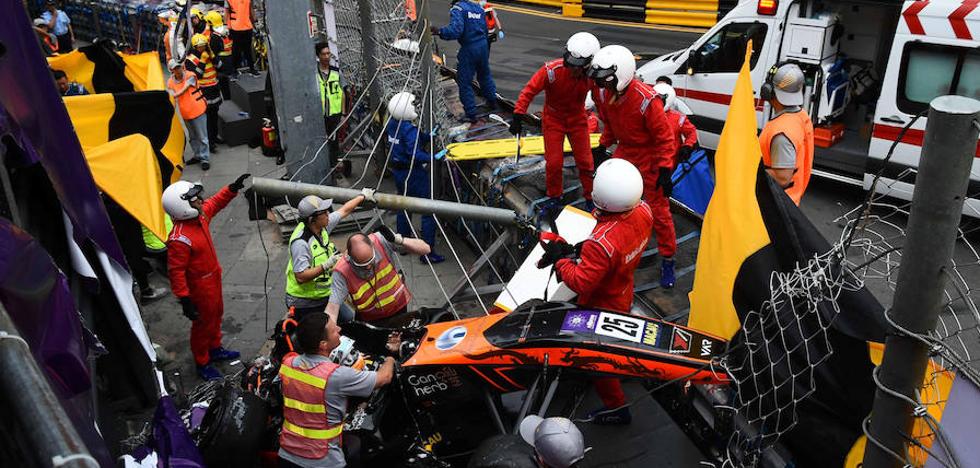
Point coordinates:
[(690, 13)]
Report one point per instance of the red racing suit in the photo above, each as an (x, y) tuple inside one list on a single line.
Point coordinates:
[(635, 119), (564, 115), (685, 132), (603, 274), (194, 272)]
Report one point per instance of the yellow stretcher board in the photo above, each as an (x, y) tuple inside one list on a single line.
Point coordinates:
[(505, 148)]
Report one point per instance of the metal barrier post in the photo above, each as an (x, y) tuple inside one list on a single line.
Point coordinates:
[(51, 435), (944, 173)]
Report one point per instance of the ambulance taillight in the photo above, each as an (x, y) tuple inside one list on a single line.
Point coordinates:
[(767, 7)]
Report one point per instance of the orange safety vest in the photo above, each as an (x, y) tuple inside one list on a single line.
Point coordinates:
[(380, 296), (191, 103), (306, 432), (225, 46), (799, 129), (239, 15), (210, 75)]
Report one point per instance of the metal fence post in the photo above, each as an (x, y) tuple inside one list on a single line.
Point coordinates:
[(292, 65), (944, 173)]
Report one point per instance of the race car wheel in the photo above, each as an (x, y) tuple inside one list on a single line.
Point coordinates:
[(232, 429)]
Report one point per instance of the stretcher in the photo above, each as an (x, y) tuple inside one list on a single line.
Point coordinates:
[(504, 148)]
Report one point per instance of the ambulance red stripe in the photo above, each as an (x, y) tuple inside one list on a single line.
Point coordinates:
[(912, 136), (911, 16), (957, 19)]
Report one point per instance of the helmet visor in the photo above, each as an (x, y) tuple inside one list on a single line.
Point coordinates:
[(604, 77), (193, 193), (573, 61)]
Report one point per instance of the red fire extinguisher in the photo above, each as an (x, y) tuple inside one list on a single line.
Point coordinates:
[(270, 138)]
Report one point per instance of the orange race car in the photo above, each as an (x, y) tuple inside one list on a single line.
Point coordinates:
[(456, 377)]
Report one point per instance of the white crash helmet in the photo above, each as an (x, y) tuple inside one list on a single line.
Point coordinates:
[(671, 101), (613, 65), (667, 92), (579, 49), (402, 106), (589, 102), (176, 199), (617, 186)]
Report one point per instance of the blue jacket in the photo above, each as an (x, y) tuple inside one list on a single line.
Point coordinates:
[(467, 23), (407, 142)]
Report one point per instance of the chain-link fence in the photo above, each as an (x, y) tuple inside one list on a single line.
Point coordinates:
[(878, 234), (786, 342)]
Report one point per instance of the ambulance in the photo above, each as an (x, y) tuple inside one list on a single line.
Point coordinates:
[(871, 68)]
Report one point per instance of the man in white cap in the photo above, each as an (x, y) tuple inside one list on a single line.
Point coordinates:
[(312, 255), (787, 139), (557, 442)]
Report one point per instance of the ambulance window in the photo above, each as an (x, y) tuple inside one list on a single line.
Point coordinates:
[(969, 84), (723, 52), (932, 70)]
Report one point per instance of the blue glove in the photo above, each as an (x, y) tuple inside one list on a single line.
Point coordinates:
[(440, 155), (434, 132)]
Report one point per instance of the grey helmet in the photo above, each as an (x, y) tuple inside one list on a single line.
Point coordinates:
[(558, 443)]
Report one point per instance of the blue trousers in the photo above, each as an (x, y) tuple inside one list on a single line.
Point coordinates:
[(475, 59), (418, 186)]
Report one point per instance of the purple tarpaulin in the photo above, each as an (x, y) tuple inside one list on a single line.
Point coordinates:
[(173, 444), (31, 112)]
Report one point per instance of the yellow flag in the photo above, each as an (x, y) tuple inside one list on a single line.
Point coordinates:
[(733, 228), (126, 169)]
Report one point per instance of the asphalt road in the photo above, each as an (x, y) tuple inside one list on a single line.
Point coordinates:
[(533, 36)]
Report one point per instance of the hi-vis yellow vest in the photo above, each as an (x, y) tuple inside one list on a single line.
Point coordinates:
[(319, 287), (331, 94)]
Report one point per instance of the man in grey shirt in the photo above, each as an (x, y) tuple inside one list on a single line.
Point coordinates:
[(312, 255), (783, 152), (317, 335)]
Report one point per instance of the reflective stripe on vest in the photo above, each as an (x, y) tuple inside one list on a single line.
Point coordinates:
[(210, 76), (381, 296), (799, 129), (330, 92), (319, 287), (316, 434), (306, 432), (226, 46)]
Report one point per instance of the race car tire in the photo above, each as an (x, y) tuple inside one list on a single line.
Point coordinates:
[(233, 427), (503, 451)]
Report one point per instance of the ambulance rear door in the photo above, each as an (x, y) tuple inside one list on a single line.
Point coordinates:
[(936, 52)]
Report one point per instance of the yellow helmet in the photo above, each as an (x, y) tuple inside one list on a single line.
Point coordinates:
[(199, 40), (195, 11), (214, 18)]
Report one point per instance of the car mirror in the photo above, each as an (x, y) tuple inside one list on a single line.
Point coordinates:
[(693, 61)]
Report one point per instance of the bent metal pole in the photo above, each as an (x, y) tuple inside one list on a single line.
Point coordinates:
[(275, 187), (940, 187)]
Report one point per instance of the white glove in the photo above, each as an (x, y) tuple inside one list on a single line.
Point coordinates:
[(331, 262), (399, 239), (368, 194)]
